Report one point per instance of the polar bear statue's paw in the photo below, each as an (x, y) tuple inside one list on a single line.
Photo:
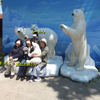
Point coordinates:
[(70, 64), (61, 25), (28, 61), (80, 68)]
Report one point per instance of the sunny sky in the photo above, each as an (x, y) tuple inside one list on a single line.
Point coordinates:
[(0, 8)]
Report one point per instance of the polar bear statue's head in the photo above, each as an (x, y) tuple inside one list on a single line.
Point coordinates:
[(78, 13), (34, 27), (21, 32)]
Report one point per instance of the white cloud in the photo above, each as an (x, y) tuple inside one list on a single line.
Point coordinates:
[(0, 9), (43, 3), (53, 3)]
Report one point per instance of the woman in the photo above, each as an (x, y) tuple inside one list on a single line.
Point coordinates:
[(28, 59), (40, 69), (23, 69), (37, 51), (16, 55)]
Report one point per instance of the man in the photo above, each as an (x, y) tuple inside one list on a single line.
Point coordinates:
[(35, 37)]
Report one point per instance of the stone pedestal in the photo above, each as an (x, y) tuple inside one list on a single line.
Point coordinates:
[(53, 66), (90, 72)]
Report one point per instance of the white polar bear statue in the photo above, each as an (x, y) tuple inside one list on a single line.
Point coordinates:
[(77, 32), (46, 33)]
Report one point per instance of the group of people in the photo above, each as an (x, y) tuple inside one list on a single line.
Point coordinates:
[(35, 51)]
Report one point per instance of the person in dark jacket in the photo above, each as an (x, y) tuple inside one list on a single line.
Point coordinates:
[(36, 38), (16, 55), (40, 70), (23, 69)]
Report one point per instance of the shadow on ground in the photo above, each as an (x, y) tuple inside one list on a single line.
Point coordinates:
[(2, 69), (70, 90)]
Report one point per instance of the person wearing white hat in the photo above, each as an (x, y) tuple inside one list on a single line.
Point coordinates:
[(40, 69), (45, 41)]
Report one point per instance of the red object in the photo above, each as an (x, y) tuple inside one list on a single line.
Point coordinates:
[(0, 16)]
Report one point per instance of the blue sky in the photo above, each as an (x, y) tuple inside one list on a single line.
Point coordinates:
[(0, 9)]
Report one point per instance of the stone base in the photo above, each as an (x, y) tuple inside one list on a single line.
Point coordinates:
[(53, 65), (89, 73)]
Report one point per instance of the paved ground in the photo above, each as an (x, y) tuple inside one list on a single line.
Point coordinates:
[(52, 88)]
